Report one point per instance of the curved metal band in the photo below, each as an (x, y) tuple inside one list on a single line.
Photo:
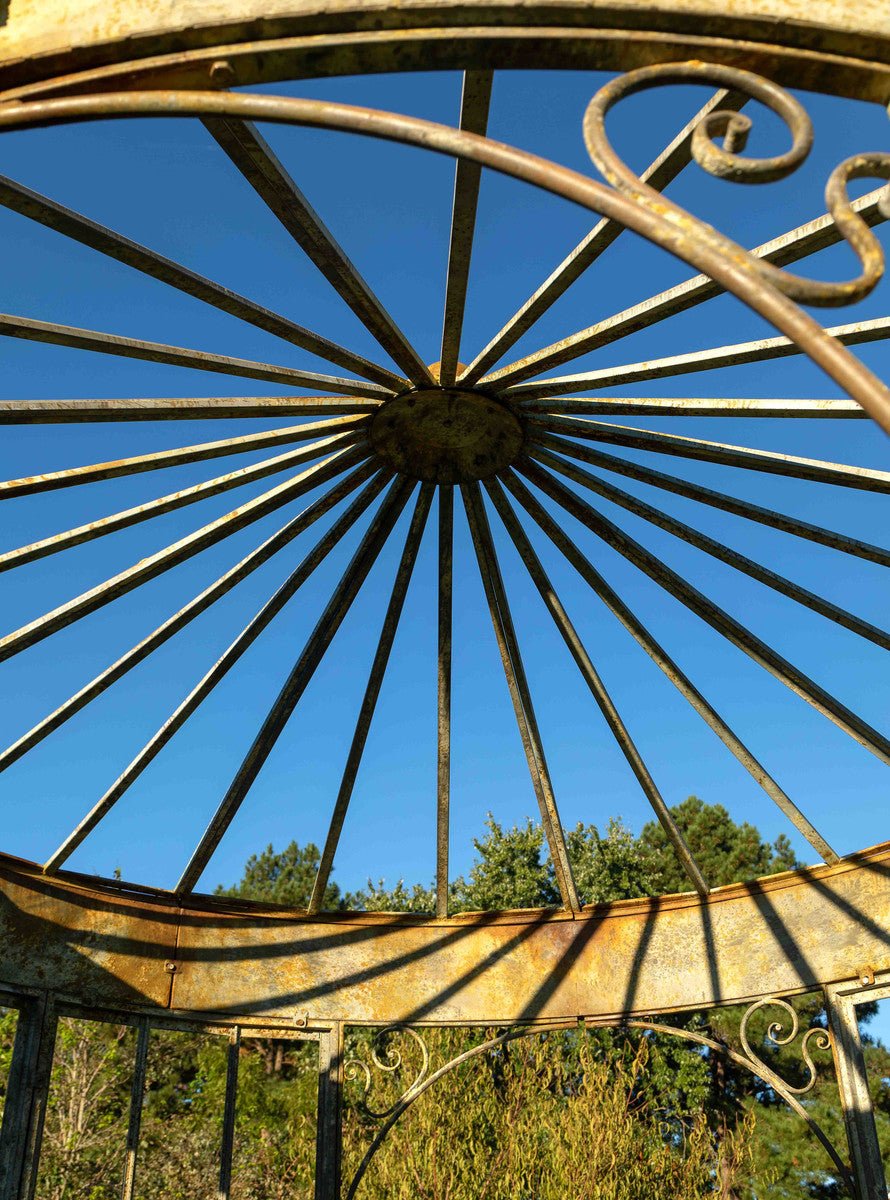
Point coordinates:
[(830, 46), (115, 948)]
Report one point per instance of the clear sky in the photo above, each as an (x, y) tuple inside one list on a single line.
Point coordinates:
[(168, 184)]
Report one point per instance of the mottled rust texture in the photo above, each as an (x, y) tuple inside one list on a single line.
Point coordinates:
[(100, 946), (828, 45)]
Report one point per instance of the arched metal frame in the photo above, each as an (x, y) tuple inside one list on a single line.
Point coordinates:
[(143, 951)]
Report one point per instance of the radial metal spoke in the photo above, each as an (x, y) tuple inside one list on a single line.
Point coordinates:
[(29, 485), (177, 356), (520, 695), (81, 229), (55, 412), (716, 549), (712, 614), (661, 406), (474, 105), (321, 637), (372, 693), (256, 161), (703, 495), (443, 706), (597, 687), (215, 675), (780, 252), (764, 350), (657, 175), (814, 469), (156, 564), (173, 500), (666, 664), (196, 606)]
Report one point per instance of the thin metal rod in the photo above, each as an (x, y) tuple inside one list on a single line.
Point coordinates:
[(857, 333), (191, 610), (736, 633), (205, 686), (779, 583), (790, 247), (173, 500), (227, 1143), (842, 474), (321, 637), (669, 163), (443, 756), (257, 162), (74, 225), (474, 106), (372, 693), (597, 687), (178, 356), (74, 476), (156, 564), (137, 1096), (508, 645), (659, 406), (666, 664), (54, 412), (741, 508)]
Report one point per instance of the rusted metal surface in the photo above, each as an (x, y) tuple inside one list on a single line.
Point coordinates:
[(781, 935), (821, 43), (445, 435)]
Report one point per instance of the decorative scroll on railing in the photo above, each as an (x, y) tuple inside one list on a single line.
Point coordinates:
[(384, 1058)]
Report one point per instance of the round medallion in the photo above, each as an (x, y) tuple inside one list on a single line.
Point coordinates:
[(445, 435)]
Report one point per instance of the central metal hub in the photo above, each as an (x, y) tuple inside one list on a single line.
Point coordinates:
[(445, 435)]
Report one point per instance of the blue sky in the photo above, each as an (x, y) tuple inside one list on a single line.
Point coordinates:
[(168, 185)]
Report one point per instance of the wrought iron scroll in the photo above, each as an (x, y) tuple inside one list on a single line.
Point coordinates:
[(386, 1057), (749, 1060)]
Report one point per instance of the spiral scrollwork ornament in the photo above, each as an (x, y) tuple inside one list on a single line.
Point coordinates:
[(387, 1057), (726, 161), (776, 1033)]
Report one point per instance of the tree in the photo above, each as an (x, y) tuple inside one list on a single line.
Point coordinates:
[(283, 877)]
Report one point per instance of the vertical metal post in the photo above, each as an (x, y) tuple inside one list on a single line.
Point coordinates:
[(329, 1135), (137, 1095), (228, 1130), (862, 1134), (26, 1098)]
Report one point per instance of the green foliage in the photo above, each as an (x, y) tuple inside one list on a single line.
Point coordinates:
[(725, 851), (282, 877)]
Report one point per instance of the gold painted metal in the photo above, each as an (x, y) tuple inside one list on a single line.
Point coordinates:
[(102, 946)]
